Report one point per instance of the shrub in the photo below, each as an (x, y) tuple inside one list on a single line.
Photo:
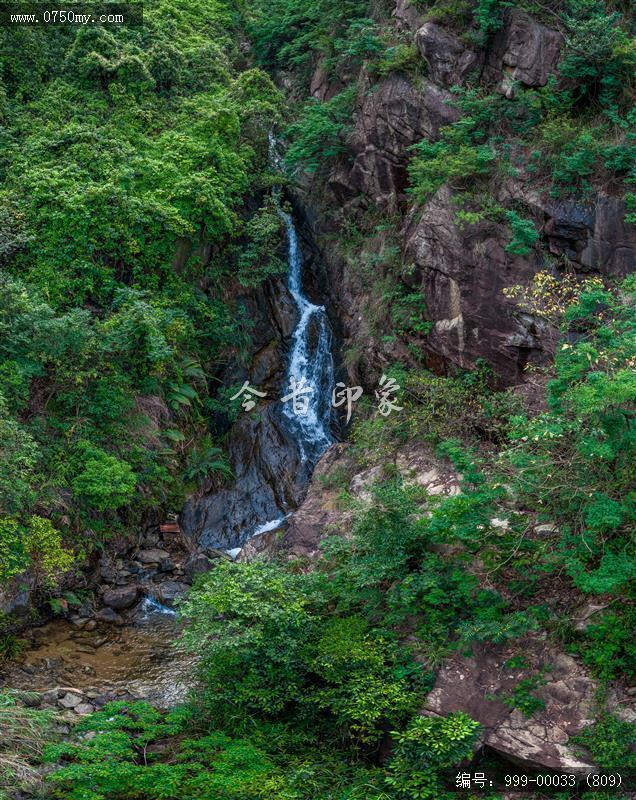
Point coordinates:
[(104, 482)]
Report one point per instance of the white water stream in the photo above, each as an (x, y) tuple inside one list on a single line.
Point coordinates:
[(309, 378)]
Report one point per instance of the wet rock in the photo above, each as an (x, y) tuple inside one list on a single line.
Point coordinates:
[(270, 478), (478, 685), (168, 591), (70, 700), (524, 51), (153, 556), (110, 616), (449, 61), (121, 598)]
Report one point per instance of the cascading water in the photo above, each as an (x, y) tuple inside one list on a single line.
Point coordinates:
[(273, 451), (310, 370), (309, 380)]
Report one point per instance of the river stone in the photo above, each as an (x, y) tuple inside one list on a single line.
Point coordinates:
[(109, 616), (154, 556), (121, 598), (168, 591), (70, 700), (197, 564)]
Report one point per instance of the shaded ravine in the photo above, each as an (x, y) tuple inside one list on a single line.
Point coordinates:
[(274, 448)]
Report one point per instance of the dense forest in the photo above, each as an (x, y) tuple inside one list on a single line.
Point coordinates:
[(464, 177)]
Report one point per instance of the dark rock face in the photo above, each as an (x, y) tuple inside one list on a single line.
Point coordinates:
[(523, 50), (393, 116), (449, 61), (462, 273), (408, 17), (594, 235), (269, 478)]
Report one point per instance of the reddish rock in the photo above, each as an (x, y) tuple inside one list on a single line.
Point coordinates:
[(524, 51), (479, 684), (449, 61)]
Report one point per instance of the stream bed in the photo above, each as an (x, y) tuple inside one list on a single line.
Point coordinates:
[(140, 660)]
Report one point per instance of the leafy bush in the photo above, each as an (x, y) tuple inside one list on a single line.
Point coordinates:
[(319, 133)]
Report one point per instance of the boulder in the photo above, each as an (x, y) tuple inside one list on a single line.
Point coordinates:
[(168, 591), (110, 616), (83, 709), (197, 564), (448, 59), (70, 700), (478, 685), (121, 597), (152, 556), (523, 50), (15, 596)]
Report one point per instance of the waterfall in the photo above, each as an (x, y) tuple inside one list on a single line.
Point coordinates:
[(310, 367), (309, 378)]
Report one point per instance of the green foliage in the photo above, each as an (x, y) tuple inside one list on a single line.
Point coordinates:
[(207, 461), (286, 32), (607, 646), (261, 258), (524, 234), (524, 698), (319, 133), (268, 646), (450, 160), (424, 749), (36, 544), (127, 157), (611, 742), (104, 481)]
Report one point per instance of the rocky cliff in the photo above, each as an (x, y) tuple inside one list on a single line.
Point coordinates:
[(459, 269)]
